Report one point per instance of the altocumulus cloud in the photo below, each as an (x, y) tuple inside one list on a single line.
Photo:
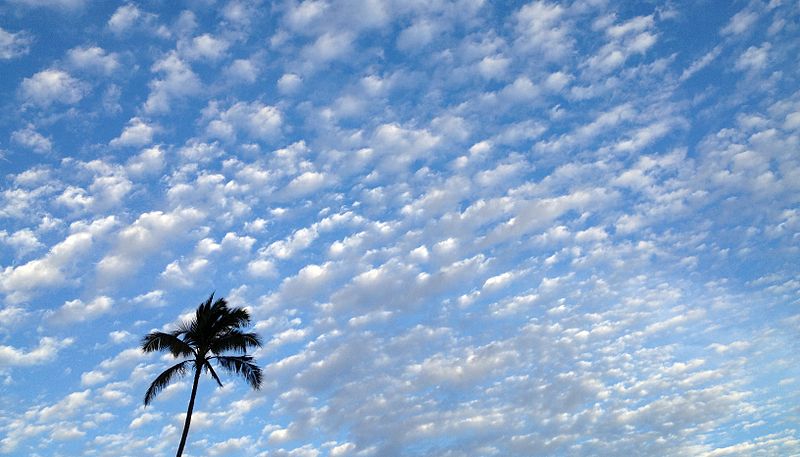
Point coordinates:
[(463, 229)]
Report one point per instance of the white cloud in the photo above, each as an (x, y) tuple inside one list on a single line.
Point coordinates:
[(417, 35), (261, 268), (22, 241), (31, 139), (144, 236), (634, 36), (179, 81), (124, 18), (541, 28), (242, 70), (52, 86), (93, 58), (106, 191), (120, 336), (740, 22), (136, 133), (46, 352), (91, 378), (755, 58), (289, 83), (306, 184), (329, 46), (53, 269), (79, 311), (206, 47), (14, 45), (154, 298), (302, 15), (148, 162), (255, 119)]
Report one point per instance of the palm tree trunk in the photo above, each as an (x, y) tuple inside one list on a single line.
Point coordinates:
[(189, 412)]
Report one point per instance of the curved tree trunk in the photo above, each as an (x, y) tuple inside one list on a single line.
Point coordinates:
[(189, 412)]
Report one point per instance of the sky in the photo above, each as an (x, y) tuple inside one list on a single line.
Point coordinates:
[(462, 228)]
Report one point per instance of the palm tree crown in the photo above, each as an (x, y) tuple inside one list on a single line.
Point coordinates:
[(214, 331)]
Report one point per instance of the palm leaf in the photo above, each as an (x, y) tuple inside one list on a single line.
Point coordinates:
[(210, 369), (160, 341), (164, 379), (241, 365), (235, 340)]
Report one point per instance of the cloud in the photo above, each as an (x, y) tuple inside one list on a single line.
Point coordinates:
[(549, 233), (634, 36), (107, 190), (23, 241), (52, 86), (541, 29), (55, 267), (255, 119), (328, 47), (417, 35), (305, 184), (148, 162), (206, 47), (740, 22), (93, 58), (78, 311), (31, 139), (124, 18), (136, 133), (755, 58), (289, 83), (13, 45), (46, 351), (179, 81), (242, 70), (139, 240)]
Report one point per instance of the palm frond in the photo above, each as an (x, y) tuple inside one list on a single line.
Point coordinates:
[(160, 341), (210, 369), (242, 365), (164, 379), (231, 318), (235, 340)]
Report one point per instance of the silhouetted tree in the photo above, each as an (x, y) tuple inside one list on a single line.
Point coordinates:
[(214, 330)]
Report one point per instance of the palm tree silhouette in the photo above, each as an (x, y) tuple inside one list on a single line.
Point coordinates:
[(214, 330)]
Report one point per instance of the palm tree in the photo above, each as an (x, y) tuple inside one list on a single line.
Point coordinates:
[(214, 330)]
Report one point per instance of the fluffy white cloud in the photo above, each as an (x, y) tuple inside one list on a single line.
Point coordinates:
[(46, 351), (148, 162), (136, 133), (255, 119), (149, 232), (93, 58), (79, 311), (242, 70), (205, 46), (554, 229), (52, 86), (541, 29), (124, 18), (178, 81), (55, 267), (31, 139)]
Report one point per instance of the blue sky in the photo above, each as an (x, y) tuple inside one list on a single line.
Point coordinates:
[(546, 228)]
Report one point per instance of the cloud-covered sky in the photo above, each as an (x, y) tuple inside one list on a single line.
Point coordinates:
[(463, 228)]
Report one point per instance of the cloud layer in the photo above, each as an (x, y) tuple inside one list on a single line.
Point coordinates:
[(463, 229)]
